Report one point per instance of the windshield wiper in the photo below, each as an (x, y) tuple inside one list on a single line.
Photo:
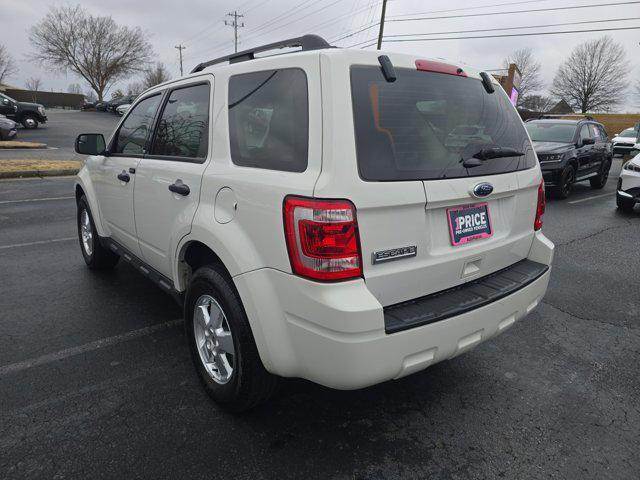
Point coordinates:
[(488, 154)]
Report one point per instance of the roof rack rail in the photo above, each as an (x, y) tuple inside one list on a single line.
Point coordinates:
[(307, 42), (560, 115)]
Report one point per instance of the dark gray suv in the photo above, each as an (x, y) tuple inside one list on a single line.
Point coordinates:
[(571, 151)]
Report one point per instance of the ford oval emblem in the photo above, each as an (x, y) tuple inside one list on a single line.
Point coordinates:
[(482, 189)]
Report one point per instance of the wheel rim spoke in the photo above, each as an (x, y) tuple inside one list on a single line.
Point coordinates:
[(225, 341)]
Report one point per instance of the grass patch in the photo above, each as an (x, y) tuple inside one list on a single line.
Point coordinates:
[(21, 144), (27, 165)]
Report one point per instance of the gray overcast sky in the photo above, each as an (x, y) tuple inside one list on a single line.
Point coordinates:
[(199, 24)]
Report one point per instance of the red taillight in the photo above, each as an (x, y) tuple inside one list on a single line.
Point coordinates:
[(322, 238), (542, 202)]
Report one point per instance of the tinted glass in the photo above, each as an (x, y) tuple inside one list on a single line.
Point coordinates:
[(183, 126), (595, 132), (132, 136), (269, 120), (424, 125), (584, 132), (551, 132)]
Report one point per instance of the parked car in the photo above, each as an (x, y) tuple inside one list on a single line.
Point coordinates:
[(30, 115), (623, 142), (102, 106), (122, 109), (8, 128), (628, 191), (89, 105), (571, 151), (114, 104), (334, 237)]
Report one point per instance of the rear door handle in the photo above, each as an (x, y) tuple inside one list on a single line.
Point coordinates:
[(180, 188), (124, 177)]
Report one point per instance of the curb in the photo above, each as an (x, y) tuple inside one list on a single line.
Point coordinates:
[(56, 172), (23, 146)]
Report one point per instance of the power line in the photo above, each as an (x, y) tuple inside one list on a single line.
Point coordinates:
[(373, 40), (513, 28), (551, 9), (468, 8)]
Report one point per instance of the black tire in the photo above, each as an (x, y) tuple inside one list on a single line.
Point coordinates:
[(567, 178), (97, 257), (249, 383), (29, 121), (624, 204), (600, 181)]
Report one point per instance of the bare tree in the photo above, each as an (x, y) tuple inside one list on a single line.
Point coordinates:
[(35, 85), (537, 103), (155, 75), (529, 72), (95, 48), (594, 77), (117, 94), (7, 64), (74, 88), (90, 95), (135, 88)]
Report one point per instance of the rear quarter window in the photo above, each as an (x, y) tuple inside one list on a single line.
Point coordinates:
[(269, 120), (424, 125)]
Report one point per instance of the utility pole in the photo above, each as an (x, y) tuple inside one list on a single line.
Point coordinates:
[(384, 11), (180, 48), (234, 23)]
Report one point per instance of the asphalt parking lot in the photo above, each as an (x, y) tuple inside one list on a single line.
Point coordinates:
[(60, 132), (96, 380)]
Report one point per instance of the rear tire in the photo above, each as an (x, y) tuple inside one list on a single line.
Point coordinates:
[(230, 368), (567, 179), (624, 204), (601, 180), (95, 255)]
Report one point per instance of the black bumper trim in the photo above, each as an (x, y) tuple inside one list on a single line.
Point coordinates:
[(463, 298)]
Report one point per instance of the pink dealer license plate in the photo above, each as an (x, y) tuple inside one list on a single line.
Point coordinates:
[(469, 222)]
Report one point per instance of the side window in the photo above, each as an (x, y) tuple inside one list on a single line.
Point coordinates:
[(603, 133), (269, 120), (584, 132), (132, 136), (595, 132), (183, 126)]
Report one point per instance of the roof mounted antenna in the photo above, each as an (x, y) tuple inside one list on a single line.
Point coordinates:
[(306, 42)]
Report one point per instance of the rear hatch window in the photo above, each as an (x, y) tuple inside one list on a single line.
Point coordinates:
[(425, 125)]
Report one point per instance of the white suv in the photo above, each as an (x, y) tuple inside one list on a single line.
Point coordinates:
[(308, 211)]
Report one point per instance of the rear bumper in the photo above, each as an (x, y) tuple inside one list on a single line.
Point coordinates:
[(334, 334)]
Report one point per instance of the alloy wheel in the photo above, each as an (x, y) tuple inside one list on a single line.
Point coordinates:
[(214, 340), (86, 233)]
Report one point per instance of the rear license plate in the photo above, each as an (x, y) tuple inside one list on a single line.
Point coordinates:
[(469, 222)]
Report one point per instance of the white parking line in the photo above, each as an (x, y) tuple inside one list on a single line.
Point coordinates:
[(40, 242), (87, 347), (46, 199), (590, 198)]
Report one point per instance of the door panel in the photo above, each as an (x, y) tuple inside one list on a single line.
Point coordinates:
[(115, 198), (114, 176), (585, 153), (177, 159)]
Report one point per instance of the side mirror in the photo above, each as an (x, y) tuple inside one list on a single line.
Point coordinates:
[(588, 141), (5, 101), (90, 144)]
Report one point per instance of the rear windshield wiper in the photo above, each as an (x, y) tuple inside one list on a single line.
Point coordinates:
[(489, 153)]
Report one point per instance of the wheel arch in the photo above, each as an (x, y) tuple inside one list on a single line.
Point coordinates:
[(84, 187)]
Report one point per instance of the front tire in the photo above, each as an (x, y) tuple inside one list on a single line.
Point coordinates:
[(601, 180), (567, 179), (29, 122), (624, 204), (221, 342), (95, 255)]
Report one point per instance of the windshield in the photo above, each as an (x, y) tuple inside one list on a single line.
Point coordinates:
[(629, 132), (551, 132), (424, 125), (2, 95)]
